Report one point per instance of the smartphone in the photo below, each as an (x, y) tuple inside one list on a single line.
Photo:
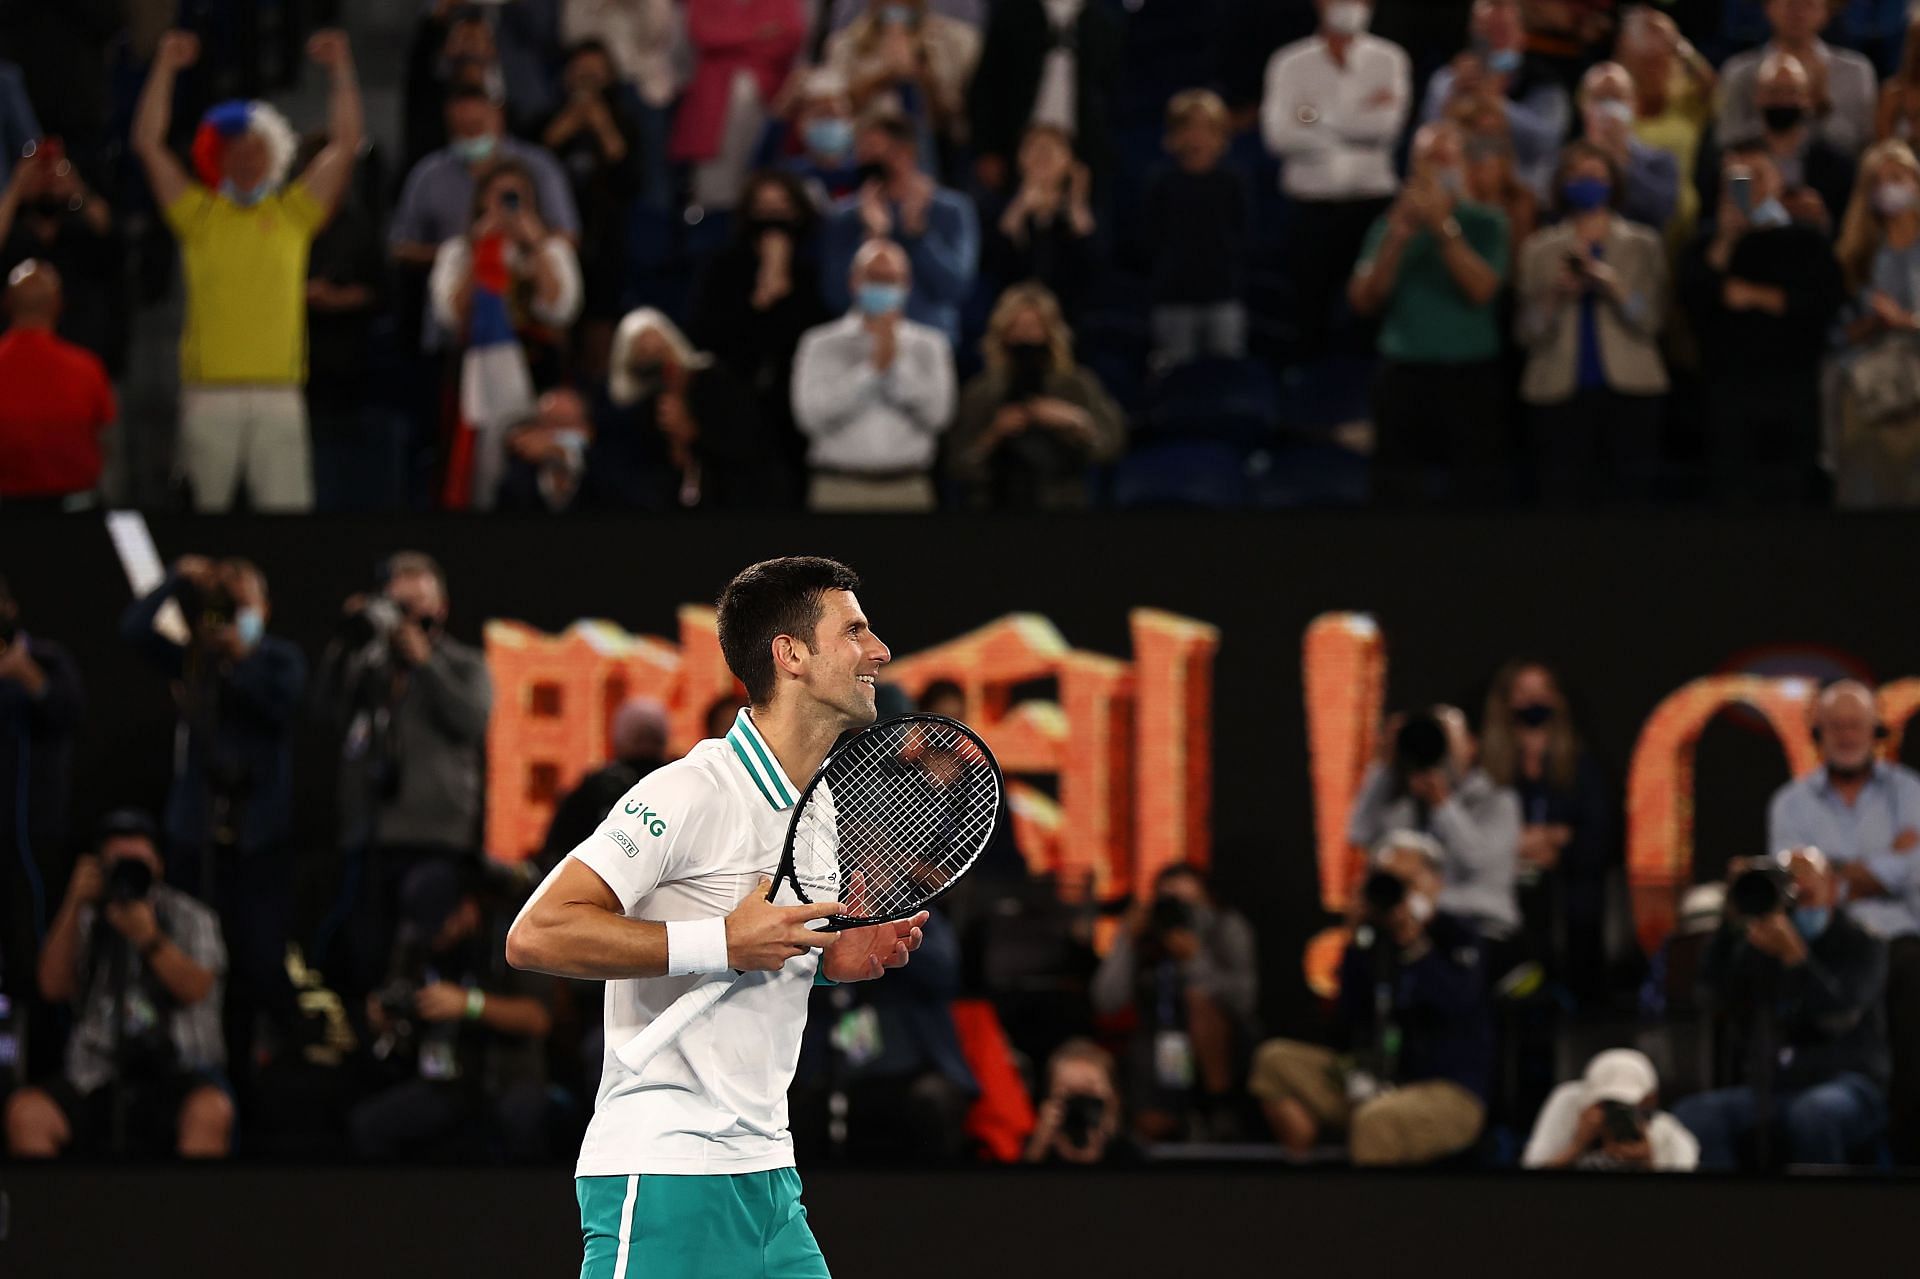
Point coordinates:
[(510, 201), (1740, 189)]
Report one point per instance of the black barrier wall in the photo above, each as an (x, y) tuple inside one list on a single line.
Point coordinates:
[(1629, 609)]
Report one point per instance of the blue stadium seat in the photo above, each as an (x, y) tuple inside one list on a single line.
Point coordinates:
[(1233, 401), (1307, 474), (1190, 475)]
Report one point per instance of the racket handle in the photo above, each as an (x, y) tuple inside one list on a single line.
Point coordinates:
[(668, 1026)]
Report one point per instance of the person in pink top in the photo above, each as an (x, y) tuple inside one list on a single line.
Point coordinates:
[(743, 50)]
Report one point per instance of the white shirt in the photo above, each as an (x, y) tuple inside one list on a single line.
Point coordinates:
[(688, 842), (1336, 127), (453, 266), (1056, 101), (860, 419), (1674, 1148)]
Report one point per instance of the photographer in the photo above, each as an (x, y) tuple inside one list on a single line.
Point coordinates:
[(411, 703), (1610, 1120), (1189, 970), (1079, 1122), (1424, 778), (229, 815), (465, 1029), (1802, 984), (1410, 1083), (144, 1060), (1864, 814)]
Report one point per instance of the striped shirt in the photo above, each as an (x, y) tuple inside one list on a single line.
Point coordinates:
[(193, 1032)]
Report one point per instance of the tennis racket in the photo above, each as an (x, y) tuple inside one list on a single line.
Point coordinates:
[(895, 816)]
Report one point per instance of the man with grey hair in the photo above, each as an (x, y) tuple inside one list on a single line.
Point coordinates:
[(1863, 812), (1845, 88), (872, 392)]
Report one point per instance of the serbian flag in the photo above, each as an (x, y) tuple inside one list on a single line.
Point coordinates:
[(496, 390)]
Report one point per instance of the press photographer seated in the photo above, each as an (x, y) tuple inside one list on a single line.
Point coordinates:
[(1800, 985), (460, 1031), (141, 963), (1080, 1120), (1610, 1120), (1408, 1080)]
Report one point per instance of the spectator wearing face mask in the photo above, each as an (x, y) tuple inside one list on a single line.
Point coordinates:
[(1033, 424), (1196, 227), (1649, 177), (547, 455), (1879, 252), (935, 227), (1046, 233), (229, 814), (1430, 269), (1762, 292), (1570, 826), (1673, 90), (1495, 71), (1817, 176), (922, 60), (873, 392), (1842, 85), (1800, 987), (1863, 812), (679, 430), (641, 36), (1335, 106), (1592, 301), (453, 49), (759, 295), (244, 238), (1609, 1120), (818, 149)]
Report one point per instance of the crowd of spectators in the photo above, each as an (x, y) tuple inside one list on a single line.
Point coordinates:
[(202, 979), (1489, 252)]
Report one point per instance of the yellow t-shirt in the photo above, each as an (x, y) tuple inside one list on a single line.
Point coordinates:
[(1678, 131), (246, 271)]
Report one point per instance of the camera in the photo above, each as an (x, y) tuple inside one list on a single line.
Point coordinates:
[(1169, 914), (1761, 891), (1621, 1122), (378, 619), (1382, 892), (1081, 1116), (1421, 744), (210, 605), (129, 880)]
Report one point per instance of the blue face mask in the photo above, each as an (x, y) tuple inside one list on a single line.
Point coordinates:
[(1583, 195), (882, 299), (1503, 61), (897, 15), (830, 136), (247, 198), (1770, 213), (1811, 921), (251, 624), (474, 150)]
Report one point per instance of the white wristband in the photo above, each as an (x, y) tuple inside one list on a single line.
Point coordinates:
[(696, 946)]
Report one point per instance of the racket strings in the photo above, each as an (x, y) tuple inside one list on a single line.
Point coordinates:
[(900, 815)]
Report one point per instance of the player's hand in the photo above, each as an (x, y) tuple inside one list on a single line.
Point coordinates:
[(762, 937), (178, 50), (862, 954)]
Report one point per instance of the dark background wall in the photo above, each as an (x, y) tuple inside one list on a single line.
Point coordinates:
[(1628, 608)]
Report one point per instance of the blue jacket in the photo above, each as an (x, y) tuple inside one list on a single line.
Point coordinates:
[(237, 724), (1439, 1005), (944, 257)]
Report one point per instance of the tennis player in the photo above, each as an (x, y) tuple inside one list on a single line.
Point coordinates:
[(687, 1169)]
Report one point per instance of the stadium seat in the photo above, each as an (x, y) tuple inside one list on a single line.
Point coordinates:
[(1232, 401), (1307, 473), (1191, 475)]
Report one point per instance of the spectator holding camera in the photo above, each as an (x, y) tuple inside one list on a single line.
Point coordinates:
[(1414, 1059), (1844, 88), (1080, 1121), (1649, 185), (410, 703), (921, 59), (821, 143), (49, 214), (1863, 812), (244, 233), (1801, 984), (1817, 176), (229, 815), (1495, 71), (1592, 294), (1610, 1120), (55, 401), (1034, 423), (141, 964), (1424, 779), (547, 454), (465, 1032), (1762, 290), (1189, 970)]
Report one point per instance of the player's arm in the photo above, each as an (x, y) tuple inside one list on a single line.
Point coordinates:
[(576, 926)]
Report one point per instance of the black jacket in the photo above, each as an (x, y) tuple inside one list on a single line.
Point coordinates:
[(1439, 1000), (1007, 82)]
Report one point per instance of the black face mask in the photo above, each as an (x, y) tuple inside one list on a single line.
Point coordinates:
[(1028, 364), (1536, 715), (1783, 119), (871, 171), (757, 227)]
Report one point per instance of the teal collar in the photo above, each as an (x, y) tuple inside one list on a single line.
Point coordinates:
[(757, 758)]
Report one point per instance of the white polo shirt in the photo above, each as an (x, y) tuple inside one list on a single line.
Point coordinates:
[(1335, 127), (688, 842)]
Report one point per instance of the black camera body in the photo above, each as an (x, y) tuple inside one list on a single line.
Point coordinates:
[(1170, 914), (1081, 1116), (1761, 891), (1621, 1122), (1383, 892), (128, 880)]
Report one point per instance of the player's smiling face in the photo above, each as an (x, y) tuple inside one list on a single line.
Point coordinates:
[(846, 658)]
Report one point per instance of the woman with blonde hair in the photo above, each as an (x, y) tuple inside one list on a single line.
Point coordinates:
[(1529, 743), (1032, 424), (1873, 386)]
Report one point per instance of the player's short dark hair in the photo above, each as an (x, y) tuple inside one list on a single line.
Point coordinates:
[(769, 599)]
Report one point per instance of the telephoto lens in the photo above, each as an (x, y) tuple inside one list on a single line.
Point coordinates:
[(1760, 891), (1383, 891), (129, 880)]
